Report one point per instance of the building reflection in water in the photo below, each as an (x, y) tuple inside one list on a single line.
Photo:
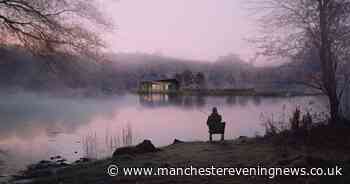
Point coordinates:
[(231, 100), (243, 100), (161, 100), (257, 100)]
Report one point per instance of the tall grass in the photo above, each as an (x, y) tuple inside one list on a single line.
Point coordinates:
[(275, 124), (89, 143), (92, 146), (297, 120), (112, 142), (127, 135)]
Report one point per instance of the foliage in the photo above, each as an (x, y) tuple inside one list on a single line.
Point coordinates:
[(48, 26), (298, 123), (120, 72), (294, 28), (188, 78), (200, 80)]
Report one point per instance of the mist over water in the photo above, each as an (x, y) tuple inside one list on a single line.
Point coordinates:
[(35, 127)]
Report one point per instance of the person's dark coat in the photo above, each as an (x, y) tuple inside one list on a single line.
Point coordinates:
[(214, 118)]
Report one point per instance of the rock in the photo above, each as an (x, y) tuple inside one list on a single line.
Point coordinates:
[(38, 173), (61, 161), (63, 164), (176, 141), (145, 147), (58, 157), (83, 160), (242, 139), (126, 157), (124, 151), (45, 162), (43, 168)]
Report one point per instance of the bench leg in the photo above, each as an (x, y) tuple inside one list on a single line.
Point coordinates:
[(222, 137), (210, 137)]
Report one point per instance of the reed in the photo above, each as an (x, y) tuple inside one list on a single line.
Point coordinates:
[(89, 143), (92, 147)]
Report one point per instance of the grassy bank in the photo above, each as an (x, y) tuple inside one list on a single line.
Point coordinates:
[(281, 150)]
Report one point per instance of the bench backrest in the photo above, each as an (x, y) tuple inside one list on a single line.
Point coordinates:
[(217, 128)]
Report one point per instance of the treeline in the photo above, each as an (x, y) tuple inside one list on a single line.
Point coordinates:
[(20, 70), (191, 80), (122, 72), (227, 72)]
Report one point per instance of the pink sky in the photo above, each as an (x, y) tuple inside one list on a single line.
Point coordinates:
[(193, 29)]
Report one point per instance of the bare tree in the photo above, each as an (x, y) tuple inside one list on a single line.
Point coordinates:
[(48, 26), (200, 80), (293, 27)]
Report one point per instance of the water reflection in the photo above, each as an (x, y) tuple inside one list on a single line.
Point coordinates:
[(157, 100), (35, 127), (162, 100), (257, 100), (29, 115), (231, 100)]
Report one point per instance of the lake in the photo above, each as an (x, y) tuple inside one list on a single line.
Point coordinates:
[(36, 127)]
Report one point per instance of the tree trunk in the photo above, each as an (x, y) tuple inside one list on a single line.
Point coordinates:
[(327, 63), (334, 107)]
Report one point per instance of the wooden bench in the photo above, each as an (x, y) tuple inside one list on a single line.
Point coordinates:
[(217, 128)]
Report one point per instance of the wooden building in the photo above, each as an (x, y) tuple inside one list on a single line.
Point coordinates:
[(159, 86)]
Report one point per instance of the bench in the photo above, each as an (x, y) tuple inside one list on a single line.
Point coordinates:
[(217, 128)]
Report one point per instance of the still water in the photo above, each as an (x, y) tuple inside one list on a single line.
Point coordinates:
[(36, 127)]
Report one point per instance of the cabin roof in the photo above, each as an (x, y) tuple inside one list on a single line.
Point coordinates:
[(168, 80), (150, 78), (162, 80)]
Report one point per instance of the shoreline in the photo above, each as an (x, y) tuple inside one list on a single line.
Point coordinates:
[(231, 92), (239, 153)]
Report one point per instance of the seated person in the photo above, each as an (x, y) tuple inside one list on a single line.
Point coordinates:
[(214, 117), (215, 125)]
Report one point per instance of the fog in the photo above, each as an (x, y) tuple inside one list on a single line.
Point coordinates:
[(190, 29), (27, 115), (37, 126)]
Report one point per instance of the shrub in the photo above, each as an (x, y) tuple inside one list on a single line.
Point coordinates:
[(298, 123), (295, 120)]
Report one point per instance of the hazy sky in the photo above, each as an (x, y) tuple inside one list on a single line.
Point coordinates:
[(194, 29)]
